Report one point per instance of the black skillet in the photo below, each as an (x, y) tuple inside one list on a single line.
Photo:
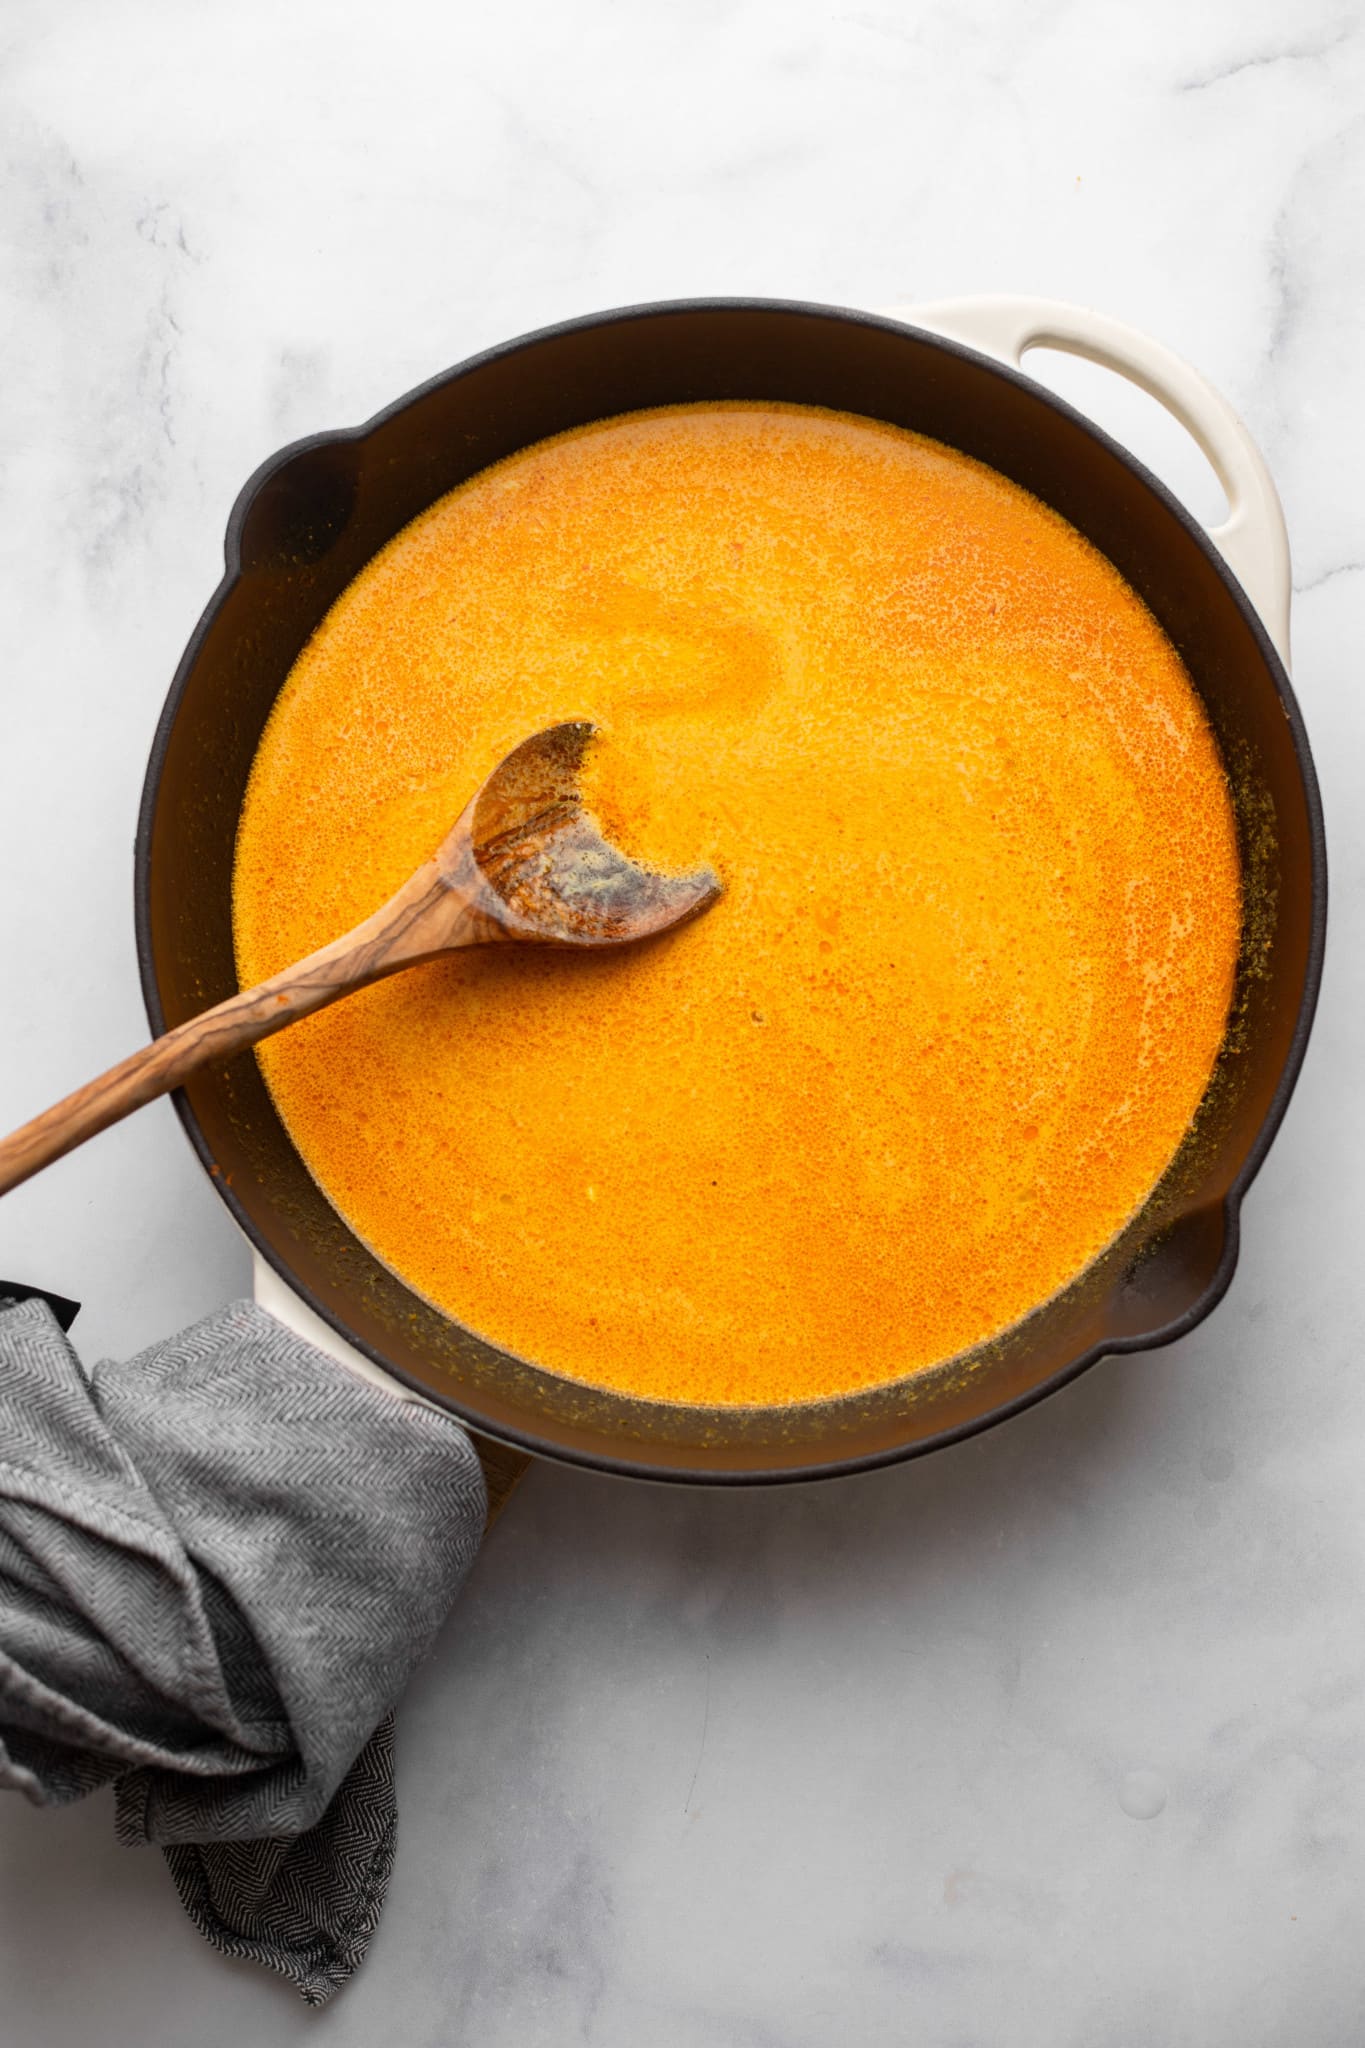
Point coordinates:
[(310, 518)]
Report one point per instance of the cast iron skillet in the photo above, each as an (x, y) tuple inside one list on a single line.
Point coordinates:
[(311, 517)]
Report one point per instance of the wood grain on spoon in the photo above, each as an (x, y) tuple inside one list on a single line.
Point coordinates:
[(524, 863)]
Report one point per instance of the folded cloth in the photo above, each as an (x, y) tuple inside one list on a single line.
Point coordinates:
[(219, 1564)]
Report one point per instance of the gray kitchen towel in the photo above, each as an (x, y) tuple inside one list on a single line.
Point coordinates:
[(219, 1564)]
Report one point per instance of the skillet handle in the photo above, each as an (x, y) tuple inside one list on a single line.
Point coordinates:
[(1252, 539)]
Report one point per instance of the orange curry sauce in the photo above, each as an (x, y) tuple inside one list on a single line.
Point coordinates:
[(967, 983)]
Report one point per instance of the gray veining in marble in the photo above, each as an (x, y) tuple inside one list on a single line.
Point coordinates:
[(1056, 1740)]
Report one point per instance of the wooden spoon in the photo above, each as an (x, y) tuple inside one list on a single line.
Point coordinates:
[(524, 862)]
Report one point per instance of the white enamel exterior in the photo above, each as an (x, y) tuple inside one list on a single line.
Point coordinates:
[(1252, 540)]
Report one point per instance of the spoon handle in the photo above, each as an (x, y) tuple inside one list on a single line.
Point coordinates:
[(428, 915)]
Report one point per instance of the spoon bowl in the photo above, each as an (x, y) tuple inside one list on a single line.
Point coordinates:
[(542, 855)]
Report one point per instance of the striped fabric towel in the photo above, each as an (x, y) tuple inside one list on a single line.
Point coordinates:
[(219, 1564)]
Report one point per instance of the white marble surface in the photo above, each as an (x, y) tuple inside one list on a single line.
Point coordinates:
[(1057, 1738)]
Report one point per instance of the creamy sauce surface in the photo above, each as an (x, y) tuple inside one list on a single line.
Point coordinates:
[(970, 975)]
